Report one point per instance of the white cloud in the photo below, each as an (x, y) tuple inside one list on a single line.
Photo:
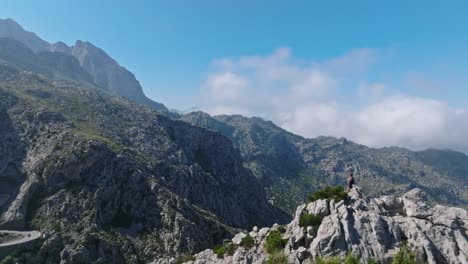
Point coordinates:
[(372, 91), (307, 98), (225, 86)]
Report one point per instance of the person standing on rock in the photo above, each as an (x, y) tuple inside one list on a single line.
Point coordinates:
[(350, 183)]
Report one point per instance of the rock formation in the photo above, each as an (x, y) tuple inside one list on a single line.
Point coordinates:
[(368, 227)]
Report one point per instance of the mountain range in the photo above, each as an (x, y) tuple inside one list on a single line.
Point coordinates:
[(82, 62), (109, 176)]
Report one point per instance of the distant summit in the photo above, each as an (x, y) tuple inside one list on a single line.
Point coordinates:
[(105, 72), (10, 29)]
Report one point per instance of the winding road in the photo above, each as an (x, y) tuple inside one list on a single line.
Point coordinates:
[(26, 236)]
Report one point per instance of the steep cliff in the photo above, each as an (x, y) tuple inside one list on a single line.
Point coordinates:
[(371, 229)]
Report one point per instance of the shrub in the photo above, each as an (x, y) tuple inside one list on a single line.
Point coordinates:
[(372, 261), (281, 229), (406, 256), (351, 259), (277, 258), (219, 250), (274, 242), (330, 260), (336, 193), (247, 242), (231, 249), (56, 227), (310, 220), (184, 258)]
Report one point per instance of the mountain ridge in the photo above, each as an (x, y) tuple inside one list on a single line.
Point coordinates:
[(106, 72), (306, 164), (106, 179)]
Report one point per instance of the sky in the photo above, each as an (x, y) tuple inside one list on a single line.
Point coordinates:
[(380, 73)]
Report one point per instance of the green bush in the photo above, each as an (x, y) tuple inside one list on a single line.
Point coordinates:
[(307, 219), (230, 249), (219, 250), (329, 260), (372, 261), (351, 259), (274, 242), (406, 255), (184, 258), (281, 229), (56, 227), (336, 193), (277, 258), (247, 242)]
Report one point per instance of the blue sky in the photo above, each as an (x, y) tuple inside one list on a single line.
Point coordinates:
[(386, 51)]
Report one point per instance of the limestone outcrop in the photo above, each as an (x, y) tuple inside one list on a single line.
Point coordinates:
[(370, 228)]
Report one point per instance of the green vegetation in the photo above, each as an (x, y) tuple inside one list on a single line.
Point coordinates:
[(56, 227), (407, 255), (93, 135), (277, 258), (351, 259), (247, 242), (230, 249), (281, 229), (274, 242), (329, 260), (372, 261), (336, 193), (219, 250), (184, 258), (307, 219)]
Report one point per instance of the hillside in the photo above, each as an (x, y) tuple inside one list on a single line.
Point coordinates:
[(108, 180), (290, 167)]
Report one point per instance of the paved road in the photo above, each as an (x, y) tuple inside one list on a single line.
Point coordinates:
[(26, 236)]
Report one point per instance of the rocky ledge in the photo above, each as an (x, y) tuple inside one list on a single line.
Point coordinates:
[(370, 228)]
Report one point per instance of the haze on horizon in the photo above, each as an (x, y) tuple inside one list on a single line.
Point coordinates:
[(374, 73)]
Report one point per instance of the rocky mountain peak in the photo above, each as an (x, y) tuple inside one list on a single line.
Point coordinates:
[(60, 47), (104, 71), (370, 228), (9, 28)]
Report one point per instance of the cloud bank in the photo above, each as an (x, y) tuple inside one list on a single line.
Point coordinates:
[(331, 98)]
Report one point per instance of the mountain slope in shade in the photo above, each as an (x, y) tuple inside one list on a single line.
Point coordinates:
[(105, 72), (110, 181), (290, 166)]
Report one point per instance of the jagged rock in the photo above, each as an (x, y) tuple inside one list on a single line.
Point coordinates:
[(238, 238), (263, 231), (373, 228)]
